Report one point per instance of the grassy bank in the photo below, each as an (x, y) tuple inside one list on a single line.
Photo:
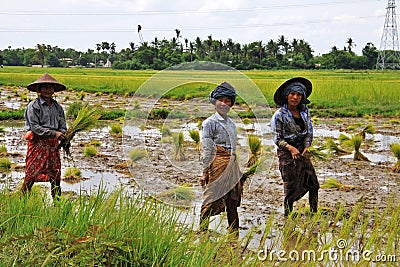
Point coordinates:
[(336, 93), (121, 230)]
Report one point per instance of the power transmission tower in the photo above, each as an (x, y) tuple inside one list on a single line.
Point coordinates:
[(389, 54)]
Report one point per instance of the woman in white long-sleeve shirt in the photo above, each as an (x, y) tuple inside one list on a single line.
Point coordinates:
[(221, 173)]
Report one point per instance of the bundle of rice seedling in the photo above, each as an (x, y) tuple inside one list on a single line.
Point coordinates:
[(355, 142), (195, 135), (332, 146), (316, 153), (86, 118), (72, 175), (255, 145), (370, 129), (179, 149), (343, 139), (395, 148), (251, 170), (332, 183)]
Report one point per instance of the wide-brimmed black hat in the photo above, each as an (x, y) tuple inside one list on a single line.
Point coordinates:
[(46, 78), (280, 98)]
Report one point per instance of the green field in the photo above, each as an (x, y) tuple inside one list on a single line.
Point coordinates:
[(335, 93)]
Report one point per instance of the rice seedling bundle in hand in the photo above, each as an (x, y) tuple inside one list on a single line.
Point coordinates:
[(255, 145), (395, 148), (86, 118), (195, 135)]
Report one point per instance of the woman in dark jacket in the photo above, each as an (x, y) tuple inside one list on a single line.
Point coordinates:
[(293, 133)]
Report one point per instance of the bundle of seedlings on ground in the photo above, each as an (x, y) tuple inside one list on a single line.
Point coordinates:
[(179, 142), (332, 183), (255, 145), (5, 164), (86, 118), (90, 151), (333, 147), (355, 141), (182, 195), (116, 129), (369, 129), (316, 153), (395, 148), (3, 150), (137, 154), (195, 135), (72, 175)]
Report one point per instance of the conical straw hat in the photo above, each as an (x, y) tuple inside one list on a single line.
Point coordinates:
[(46, 78)]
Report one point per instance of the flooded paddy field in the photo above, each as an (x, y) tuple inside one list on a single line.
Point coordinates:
[(373, 181)]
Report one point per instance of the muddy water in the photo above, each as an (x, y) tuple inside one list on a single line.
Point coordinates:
[(263, 194)]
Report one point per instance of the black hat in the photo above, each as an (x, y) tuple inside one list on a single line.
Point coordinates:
[(280, 97)]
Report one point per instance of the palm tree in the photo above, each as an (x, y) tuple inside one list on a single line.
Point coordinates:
[(41, 51), (178, 34), (350, 45), (283, 44)]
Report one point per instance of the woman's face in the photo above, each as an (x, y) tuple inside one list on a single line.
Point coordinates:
[(46, 90), (294, 98), (223, 105)]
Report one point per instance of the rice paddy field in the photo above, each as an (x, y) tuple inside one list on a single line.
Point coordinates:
[(116, 211)]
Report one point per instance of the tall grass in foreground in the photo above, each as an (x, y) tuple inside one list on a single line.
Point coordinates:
[(101, 230), (121, 230)]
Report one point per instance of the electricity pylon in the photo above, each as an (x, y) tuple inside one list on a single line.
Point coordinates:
[(389, 54)]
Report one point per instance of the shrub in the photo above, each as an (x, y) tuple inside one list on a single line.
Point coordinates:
[(90, 151)]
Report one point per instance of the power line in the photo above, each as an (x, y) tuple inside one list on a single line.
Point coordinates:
[(241, 26), (183, 12)]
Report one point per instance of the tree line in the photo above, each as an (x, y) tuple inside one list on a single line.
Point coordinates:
[(161, 54)]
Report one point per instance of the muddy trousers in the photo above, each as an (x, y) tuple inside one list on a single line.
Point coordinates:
[(55, 187), (312, 200), (232, 214)]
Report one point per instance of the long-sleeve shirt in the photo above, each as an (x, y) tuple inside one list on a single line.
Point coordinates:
[(286, 131), (215, 130), (45, 120)]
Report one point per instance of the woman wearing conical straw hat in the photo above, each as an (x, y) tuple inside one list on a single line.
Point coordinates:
[(293, 133), (46, 125)]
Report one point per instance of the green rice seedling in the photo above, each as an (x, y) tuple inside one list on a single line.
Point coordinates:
[(136, 104), (165, 130), (116, 129), (395, 148), (370, 129), (98, 94), (2, 130), (5, 163), (332, 146), (111, 96), (343, 139), (339, 120), (355, 142), (393, 121), (178, 140), (246, 121), (90, 151), (3, 150), (255, 146), (95, 142), (195, 135), (72, 175), (316, 153), (74, 108), (80, 95), (86, 118), (332, 183), (181, 195), (137, 154)]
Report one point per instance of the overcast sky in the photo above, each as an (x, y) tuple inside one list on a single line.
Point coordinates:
[(81, 24)]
